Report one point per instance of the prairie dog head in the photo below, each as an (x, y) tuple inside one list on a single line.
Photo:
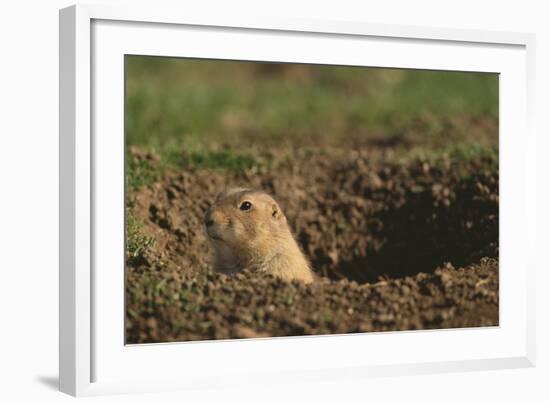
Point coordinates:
[(241, 217), (248, 229)]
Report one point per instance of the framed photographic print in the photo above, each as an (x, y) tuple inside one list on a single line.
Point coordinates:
[(272, 200)]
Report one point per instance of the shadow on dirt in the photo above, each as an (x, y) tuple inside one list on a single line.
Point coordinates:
[(423, 234)]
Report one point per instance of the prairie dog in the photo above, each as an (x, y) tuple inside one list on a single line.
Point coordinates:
[(247, 229)]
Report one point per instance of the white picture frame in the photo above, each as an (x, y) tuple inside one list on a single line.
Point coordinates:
[(93, 356)]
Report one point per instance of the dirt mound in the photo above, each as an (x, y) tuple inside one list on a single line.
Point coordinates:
[(182, 306), (382, 233)]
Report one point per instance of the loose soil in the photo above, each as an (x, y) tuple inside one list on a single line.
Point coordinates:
[(397, 243)]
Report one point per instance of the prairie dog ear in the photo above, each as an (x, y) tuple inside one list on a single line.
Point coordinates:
[(276, 212)]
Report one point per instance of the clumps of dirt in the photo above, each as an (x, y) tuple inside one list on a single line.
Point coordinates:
[(354, 217), (375, 228), (186, 306)]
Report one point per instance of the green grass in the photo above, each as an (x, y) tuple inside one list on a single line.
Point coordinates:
[(136, 241), (174, 101), (141, 171), (461, 156), (224, 160)]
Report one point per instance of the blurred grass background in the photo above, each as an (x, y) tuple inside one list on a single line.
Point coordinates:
[(185, 102)]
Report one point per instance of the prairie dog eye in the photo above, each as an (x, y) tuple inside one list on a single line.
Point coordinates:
[(245, 206)]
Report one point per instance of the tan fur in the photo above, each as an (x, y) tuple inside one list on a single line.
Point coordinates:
[(258, 239)]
